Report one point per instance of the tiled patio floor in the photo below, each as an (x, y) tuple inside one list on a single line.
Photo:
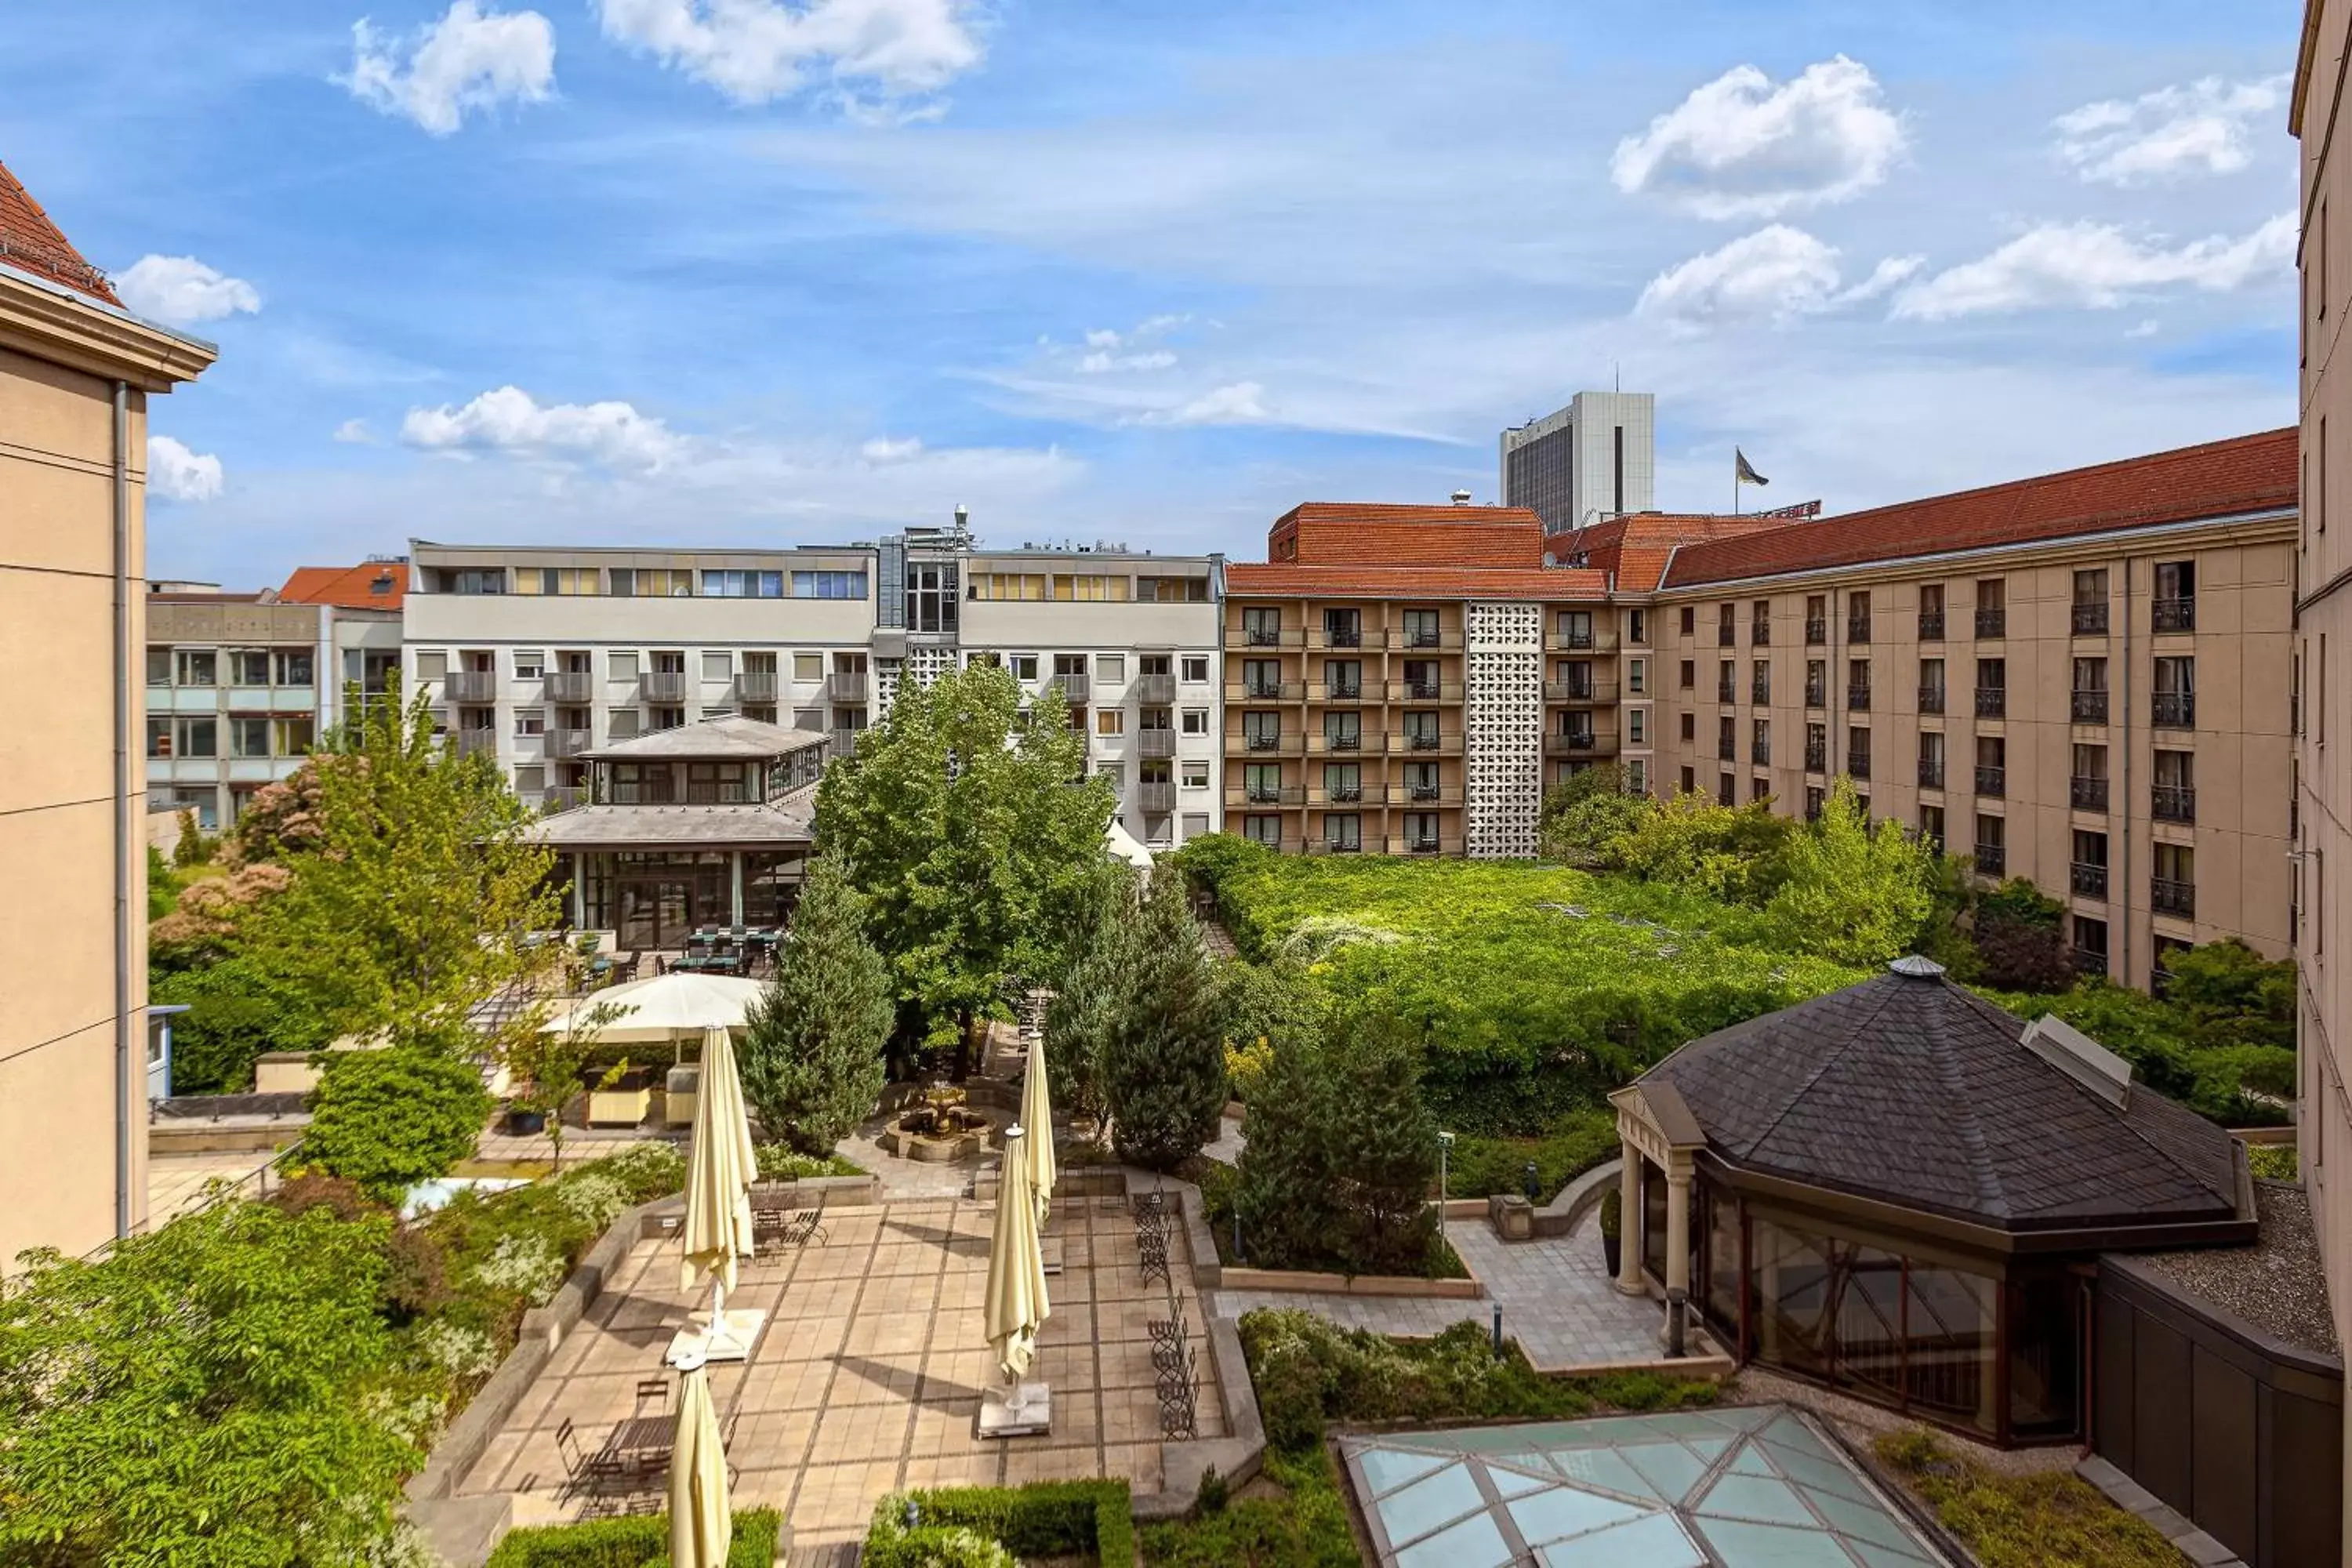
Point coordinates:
[(177, 1182), (869, 1375)]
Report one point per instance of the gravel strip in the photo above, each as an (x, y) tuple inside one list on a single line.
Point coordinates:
[(2276, 1284)]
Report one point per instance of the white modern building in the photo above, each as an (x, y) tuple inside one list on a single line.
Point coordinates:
[(540, 656), (1594, 459)]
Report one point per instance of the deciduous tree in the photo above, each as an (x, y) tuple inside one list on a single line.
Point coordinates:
[(389, 1118), (1853, 891)]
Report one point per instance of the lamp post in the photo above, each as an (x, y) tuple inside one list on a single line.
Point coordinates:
[(1445, 1143)]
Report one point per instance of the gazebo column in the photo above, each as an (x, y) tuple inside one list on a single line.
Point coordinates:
[(1629, 1221), (735, 884), (1678, 1193), (579, 891)]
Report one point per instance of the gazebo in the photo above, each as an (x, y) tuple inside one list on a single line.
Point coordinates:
[(1901, 1191)]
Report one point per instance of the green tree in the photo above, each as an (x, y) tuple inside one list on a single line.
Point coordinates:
[(2227, 994), (216, 1392), (1089, 1004), (406, 906), (163, 885), (1588, 816), (1384, 1142), (389, 1118), (1163, 1067), (549, 1064), (236, 1014), (1273, 1002), (964, 823), (1288, 1204), (2019, 933), (1853, 891), (1733, 853), (812, 1058)]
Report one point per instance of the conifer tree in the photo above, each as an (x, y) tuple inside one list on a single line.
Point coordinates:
[(1163, 1067), (812, 1057)]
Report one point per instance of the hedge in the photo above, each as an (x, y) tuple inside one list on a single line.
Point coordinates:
[(640, 1541), (1045, 1519)]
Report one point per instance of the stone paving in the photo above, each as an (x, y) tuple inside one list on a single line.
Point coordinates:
[(178, 1183), (869, 1375), (1557, 1298)]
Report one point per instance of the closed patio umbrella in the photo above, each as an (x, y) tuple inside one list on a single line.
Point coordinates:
[(701, 1524), (719, 1167), (1015, 1307), (1037, 1116)]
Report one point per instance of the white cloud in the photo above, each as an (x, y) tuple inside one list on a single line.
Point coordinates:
[(2203, 128), (175, 473), (2147, 329), (471, 59), (1777, 272), (183, 290), (1243, 403), (2095, 266), (873, 53), (1743, 147), (510, 420), (355, 433), (1099, 363), (883, 449)]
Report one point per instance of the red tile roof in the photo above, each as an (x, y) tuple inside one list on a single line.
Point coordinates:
[(1637, 547), (1363, 534), (2220, 479), (352, 588), (31, 243), (1246, 580)]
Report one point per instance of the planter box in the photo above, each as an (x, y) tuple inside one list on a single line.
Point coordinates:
[(618, 1107), (684, 1085), (1359, 1285)]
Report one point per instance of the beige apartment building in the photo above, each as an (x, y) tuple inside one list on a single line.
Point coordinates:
[(76, 372), (2322, 633), (2080, 679)]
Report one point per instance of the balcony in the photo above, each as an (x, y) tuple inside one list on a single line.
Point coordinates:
[(1272, 637), (1424, 844), (1726, 636), (2089, 879), (1429, 794), (2176, 710), (1336, 636), (1335, 846), (1931, 626), (1726, 751), (1346, 795), (1428, 691), (2089, 707), (1857, 766), (2174, 615), (2174, 803), (1992, 701), (1580, 692), (2087, 793), (566, 742), (570, 686), (1580, 743), (1441, 639), (1266, 692), (1444, 744), (1347, 741), (562, 798), (1267, 795), (755, 686), (1993, 860), (1992, 780), (1581, 639), (1992, 621), (1153, 690), (1931, 699), (1155, 742), (1072, 687), (1857, 698), (2090, 620), (1817, 630), (1285, 743), (840, 743), (1726, 692), (475, 742), (1816, 695), (1931, 772), (847, 686), (1156, 799), (470, 686), (1857, 628), (1817, 759), (2170, 898), (662, 685), (1337, 692), (2086, 962)]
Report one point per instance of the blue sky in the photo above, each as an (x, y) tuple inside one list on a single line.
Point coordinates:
[(735, 271)]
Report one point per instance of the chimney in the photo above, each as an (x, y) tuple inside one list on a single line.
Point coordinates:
[(1461, 498)]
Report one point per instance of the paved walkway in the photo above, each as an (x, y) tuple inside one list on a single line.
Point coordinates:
[(1557, 1298), (178, 1183)]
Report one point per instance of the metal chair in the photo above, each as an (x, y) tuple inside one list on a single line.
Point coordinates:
[(654, 1391)]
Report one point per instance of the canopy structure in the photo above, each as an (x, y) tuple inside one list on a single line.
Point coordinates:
[(663, 1008), (1123, 844), (716, 1228), (701, 1524)]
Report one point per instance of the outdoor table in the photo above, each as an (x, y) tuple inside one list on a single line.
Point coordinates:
[(643, 1443)]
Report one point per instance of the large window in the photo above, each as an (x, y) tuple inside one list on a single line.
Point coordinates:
[(829, 584), (734, 584), (652, 583)]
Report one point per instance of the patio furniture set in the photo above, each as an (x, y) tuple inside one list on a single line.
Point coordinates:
[(622, 1475), (716, 950)]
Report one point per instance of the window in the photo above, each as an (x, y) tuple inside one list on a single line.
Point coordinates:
[(1992, 687), (652, 583), (1857, 683), (1690, 726), (1262, 731), (1196, 775), (1576, 628), (2090, 607), (248, 667), (159, 666), (2174, 890), (1690, 620), (1992, 607), (1931, 759), (1690, 673), (1760, 743), (197, 738), (1343, 731), (1637, 777), (1931, 686), (1817, 683), (2176, 694), (718, 665), (479, 580), (1195, 667), (1760, 621), (1195, 722), (1637, 626), (1110, 667), (2089, 784), (1726, 789), (1343, 679), (1637, 728), (1089, 588), (1993, 765), (1262, 626), (529, 721), (1008, 587), (531, 664), (1689, 781), (1723, 738), (829, 584), (1992, 844), (621, 664), (198, 667), (1857, 752), (1725, 678), (1857, 615), (1725, 632), (1637, 676), (808, 666), (2175, 797), (1815, 798), (1759, 683), (565, 581), (1343, 830), (2174, 608), (1817, 617), (1111, 721), (2090, 944), (1817, 748), (1931, 827), (1171, 590), (1931, 612), (733, 585), (2090, 864), (249, 737)]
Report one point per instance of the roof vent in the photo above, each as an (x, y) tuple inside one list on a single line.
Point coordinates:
[(1461, 498), (2080, 1058), (1916, 968)]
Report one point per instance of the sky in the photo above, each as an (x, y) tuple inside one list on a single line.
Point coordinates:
[(749, 273)]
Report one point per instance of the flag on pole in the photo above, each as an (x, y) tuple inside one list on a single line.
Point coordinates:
[(1743, 472)]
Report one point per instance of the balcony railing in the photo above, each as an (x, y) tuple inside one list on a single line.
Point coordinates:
[(1424, 844), (470, 686), (2175, 615), (2090, 620), (1445, 744), (755, 686), (662, 685), (562, 798), (1817, 629), (1931, 626), (2174, 803), (1429, 794), (1267, 795), (1816, 695), (1857, 766), (840, 743), (1436, 691), (1441, 639), (1993, 860), (2090, 707), (1579, 743), (1724, 690), (1579, 691), (1992, 780), (1337, 637), (1157, 798), (1762, 755), (1759, 692), (2090, 880), (570, 685), (1072, 687), (1154, 690), (1266, 692), (2170, 897), (1582, 640), (1357, 794), (2176, 709), (1272, 637), (2086, 962), (1338, 691), (849, 686), (476, 742), (1931, 699), (1760, 634), (1726, 751), (1931, 772), (1857, 628), (1335, 845), (1992, 701), (1817, 759), (2087, 793), (1155, 742), (1727, 637), (1857, 698), (1345, 741), (1992, 622), (566, 742), (1285, 743)]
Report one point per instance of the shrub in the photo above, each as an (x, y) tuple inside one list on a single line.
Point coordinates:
[(2019, 937), (1736, 853), (388, 1119), (1045, 1519), (2273, 1161), (1305, 1526), (1570, 1147), (646, 1171), (779, 1163), (416, 1276), (235, 1016), (1588, 816), (640, 1541), (2024, 1521)]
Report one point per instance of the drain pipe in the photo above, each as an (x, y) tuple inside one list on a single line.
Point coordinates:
[(2122, 898), (122, 890)]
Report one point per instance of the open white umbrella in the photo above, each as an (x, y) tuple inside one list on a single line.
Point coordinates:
[(701, 1524), (664, 1007), (1015, 1307), (719, 1168), (1037, 1116)]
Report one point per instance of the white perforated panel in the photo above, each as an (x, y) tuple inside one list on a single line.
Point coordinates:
[(1503, 731)]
